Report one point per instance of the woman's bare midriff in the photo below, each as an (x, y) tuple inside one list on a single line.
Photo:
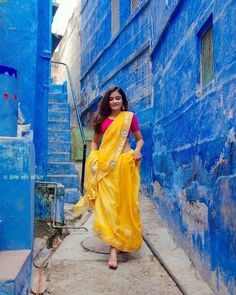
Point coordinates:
[(126, 147)]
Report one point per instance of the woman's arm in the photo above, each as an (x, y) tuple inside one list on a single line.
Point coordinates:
[(95, 141), (139, 145)]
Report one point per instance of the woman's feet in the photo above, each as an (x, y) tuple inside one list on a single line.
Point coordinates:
[(112, 262)]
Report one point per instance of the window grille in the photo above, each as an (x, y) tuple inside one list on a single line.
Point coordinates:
[(207, 62), (135, 4), (115, 13)]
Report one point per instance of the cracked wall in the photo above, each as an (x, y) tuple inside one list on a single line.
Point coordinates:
[(194, 137), (188, 161), (25, 44)]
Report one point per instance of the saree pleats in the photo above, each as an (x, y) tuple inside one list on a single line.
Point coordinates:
[(88, 200), (117, 218), (112, 185)]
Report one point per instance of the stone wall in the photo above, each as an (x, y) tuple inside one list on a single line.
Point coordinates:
[(26, 46), (194, 135), (188, 165)]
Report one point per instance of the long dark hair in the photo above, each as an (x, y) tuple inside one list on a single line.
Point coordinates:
[(104, 109)]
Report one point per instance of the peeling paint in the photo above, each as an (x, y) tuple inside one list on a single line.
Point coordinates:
[(230, 114), (158, 190), (228, 208), (26, 30), (231, 135), (195, 217), (188, 128), (16, 216), (220, 162), (197, 133)]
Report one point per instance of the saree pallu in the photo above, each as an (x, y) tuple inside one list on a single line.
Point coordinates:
[(112, 186)]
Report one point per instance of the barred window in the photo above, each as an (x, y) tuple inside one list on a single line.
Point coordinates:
[(135, 4), (207, 58), (115, 16)]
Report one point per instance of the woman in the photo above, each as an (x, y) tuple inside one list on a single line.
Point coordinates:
[(112, 176)]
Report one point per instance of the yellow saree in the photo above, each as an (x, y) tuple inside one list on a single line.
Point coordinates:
[(112, 185)]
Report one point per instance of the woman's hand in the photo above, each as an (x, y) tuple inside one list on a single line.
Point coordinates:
[(95, 141), (139, 145), (137, 155)]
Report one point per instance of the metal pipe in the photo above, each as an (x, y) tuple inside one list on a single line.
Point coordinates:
[(78, 120), (68, 226), (76, 227), (83, 170), (47, 182), (162, 262), (53, 224)]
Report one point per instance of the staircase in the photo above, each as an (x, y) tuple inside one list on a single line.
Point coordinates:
[(60, 167)]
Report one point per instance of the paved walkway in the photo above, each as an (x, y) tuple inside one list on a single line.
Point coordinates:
[(74, 270)]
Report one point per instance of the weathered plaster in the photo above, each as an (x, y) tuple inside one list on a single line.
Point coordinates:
[(27, 48), (188, 129)]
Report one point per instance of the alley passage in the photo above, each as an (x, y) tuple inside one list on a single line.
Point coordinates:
[(73, 270)]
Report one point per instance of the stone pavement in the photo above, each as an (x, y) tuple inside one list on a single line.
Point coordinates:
[(79, 265)]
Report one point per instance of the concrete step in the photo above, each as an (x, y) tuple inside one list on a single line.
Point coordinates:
[(56, 88), (15, 272), (51, 81), (55, 125), (57, 97), (59, 107), (59, 135), (69, 181), (58, 116), (59, 157), (71, 195), (59, 168), (58, 146)]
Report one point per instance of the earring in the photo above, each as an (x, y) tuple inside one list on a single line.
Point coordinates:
[(122, 108)]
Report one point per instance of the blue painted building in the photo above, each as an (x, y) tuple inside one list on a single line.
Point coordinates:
[(25, 30), (176, 60), (25, 51)]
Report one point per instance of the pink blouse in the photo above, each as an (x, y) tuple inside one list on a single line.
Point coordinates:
[(133, 127)]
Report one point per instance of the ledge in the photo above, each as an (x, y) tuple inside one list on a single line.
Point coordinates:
[(11, 263)]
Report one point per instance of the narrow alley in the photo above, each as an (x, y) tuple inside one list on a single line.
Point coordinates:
[(106, 105), (79, 266)]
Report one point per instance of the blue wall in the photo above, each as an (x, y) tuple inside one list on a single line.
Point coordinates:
[(18, 47), (8, 101), (44, 45), (189, 164), (194, 136), (17, 171), (25, 43)]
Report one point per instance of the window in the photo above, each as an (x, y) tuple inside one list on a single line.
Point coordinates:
[(207, 61), (135, 4), (115, 9)]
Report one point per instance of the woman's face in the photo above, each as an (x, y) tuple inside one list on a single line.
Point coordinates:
[(115, 101)]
